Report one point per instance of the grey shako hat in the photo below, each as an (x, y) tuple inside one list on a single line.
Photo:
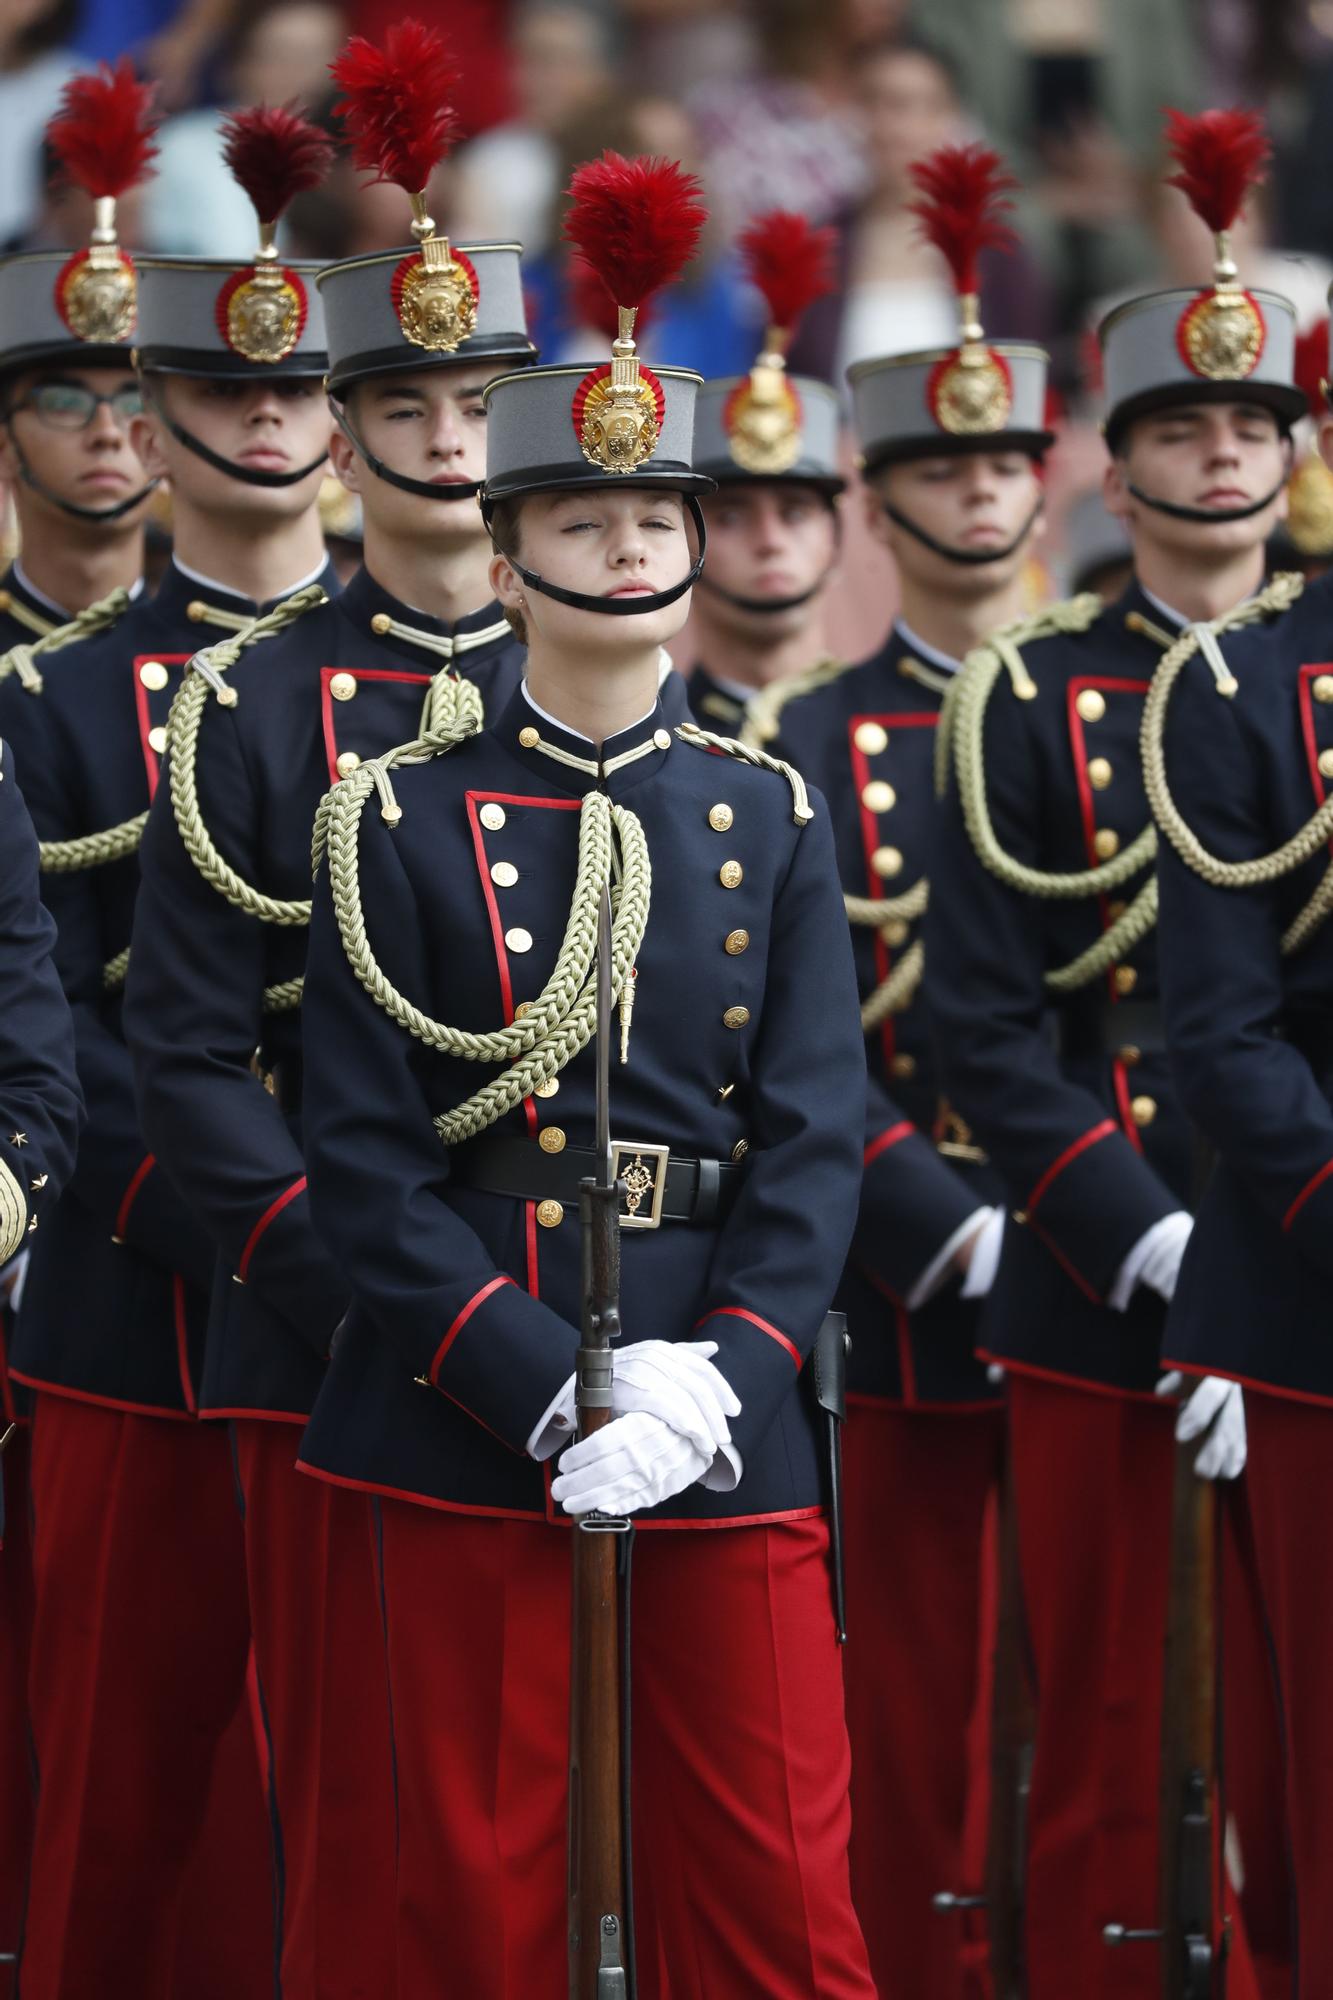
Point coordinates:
[(424, 307), (549, 428), (206, 317), (733, 427), (973, 397)]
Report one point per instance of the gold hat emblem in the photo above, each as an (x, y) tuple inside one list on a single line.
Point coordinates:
[(97, 295), (971, 392), (762, 419), (619, 407), (262, 312), (435, 295), (1221, 334)]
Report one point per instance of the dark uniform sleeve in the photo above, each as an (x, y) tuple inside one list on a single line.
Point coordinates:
[(117, 1179), (1067, 1165), (1254, 1096), (378, 1172), (194, 1012)]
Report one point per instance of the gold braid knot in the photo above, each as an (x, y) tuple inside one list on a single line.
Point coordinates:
[(86, 624)]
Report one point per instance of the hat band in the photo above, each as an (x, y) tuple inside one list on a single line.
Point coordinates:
[(973, 558), (454, 489), (613, 607), (246, 475), (1221, 515)]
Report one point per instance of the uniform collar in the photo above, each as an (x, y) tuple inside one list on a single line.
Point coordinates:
[(732, 691), (929, 656), (184, 593), (1137, 611), (540, 745), (22, 591), (371, 606)]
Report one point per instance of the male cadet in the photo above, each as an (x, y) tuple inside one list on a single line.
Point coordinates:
[(67, 392), (213, 1002), (1042, 985), (954, 475), (1247, 977), (67, 384), (477, 878), (142, 1634), (770, 440)]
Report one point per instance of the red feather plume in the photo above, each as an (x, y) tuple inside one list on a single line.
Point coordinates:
[(1311, 365), (103, 132), (1221, 156), (591, 305), (790, 262), (274, 154), (396, 107), (964, 199), (637, 222)]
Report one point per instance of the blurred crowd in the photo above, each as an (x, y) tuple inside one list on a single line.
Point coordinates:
[(790, 103)]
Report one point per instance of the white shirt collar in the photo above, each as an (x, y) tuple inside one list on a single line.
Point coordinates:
[(1178, 618), (136, 589), (931, 654), (211, 582), (556, 723)]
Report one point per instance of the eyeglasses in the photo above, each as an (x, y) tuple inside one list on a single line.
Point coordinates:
[(69, 406)]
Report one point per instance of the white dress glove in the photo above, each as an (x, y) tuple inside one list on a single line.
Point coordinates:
[(980, 1273), (632, 1463), (674, 1380), (1218, 1407), (1154, 1261)]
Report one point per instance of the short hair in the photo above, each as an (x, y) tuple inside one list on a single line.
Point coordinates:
[(504, 521)]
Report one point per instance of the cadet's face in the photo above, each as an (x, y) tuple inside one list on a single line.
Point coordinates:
[(768, 541), (1207, 455), (605, 544), (974, 502), (95, 466), (276, 425), (428, 424)]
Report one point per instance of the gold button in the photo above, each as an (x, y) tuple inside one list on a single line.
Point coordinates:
[(879, 796), (662, 738), (740, 1149), (720, 818), (529, 738), (157, 739), (1129, 1055), (1326, 763), (1091, 705), (523, 1007), (1323, 687), (549, 1088), (1099, 774), (195, 611), (731, 874), (153, 675), (1105, 843), (736, 942), (518, 939), (1020, 1216), (735, 1017), (380, 623), (903, 1065), (871, 738), (1126, 979), (551, 1139), (895, 931), (343, 687), (1143, 1110), (492, 818), (6, 599), (347, 763), (504, 874), (550, 1214), (887, 861)]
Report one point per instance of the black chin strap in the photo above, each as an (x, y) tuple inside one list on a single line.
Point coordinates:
[(462, 489), (248, 475), (973, 558), (616, 607), (99, 516), (1204, 514)]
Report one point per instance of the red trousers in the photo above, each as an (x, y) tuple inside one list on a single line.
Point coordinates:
[(139, 1649), (1287, 1474), (319, 1648), (15, 1635), (740, 1761), (918, 1485)]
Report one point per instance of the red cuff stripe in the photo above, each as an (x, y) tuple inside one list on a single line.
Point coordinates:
[(739, 1312), (130, 1196), (273, 1210), (477, 1299), (887, 1139), (1067, 1158), (1305, 1194)]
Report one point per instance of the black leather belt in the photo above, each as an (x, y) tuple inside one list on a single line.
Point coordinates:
[(1105, 1029), (659, 1187)]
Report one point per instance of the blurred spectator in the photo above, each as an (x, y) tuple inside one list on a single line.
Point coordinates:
[(274, 51), (477, 32), (506, 181), (35, 61), (681, 43)]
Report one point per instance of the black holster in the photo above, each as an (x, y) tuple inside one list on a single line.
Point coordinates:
[(828, 1364)]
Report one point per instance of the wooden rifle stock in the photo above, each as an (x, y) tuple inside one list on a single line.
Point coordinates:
[(1191, 1968)]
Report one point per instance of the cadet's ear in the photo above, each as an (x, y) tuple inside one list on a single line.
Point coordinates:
[(9, 464), (876, 519), (1115, 489), (343, 459), (505, 582), (145, 436)]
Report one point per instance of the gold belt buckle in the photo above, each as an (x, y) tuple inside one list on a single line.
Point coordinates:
[(643, 1169)]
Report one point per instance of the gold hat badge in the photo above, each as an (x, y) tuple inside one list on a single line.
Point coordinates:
[(102, 135), (791, 264), (274, 155), (397, 114), (636, 224), (1220, 156), (962, 203)]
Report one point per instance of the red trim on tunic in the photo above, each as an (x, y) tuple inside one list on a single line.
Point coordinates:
[(270, 1214), (152, 762), (182, 1342), (461, 1320), (1087, 812), (131, 1194), (1286, 1395), (222, 1415), (906, 719), (1013, 1367), (1120, 1084), (162, 1410), (742, 1312), (882, 1142), (1306, 678), (906, 1365), (1305, 1194), (327, 704), (1069, 1155)]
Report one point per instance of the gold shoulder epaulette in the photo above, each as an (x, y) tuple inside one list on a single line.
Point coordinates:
[(761, 717), (94, 618), (747, 753)]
